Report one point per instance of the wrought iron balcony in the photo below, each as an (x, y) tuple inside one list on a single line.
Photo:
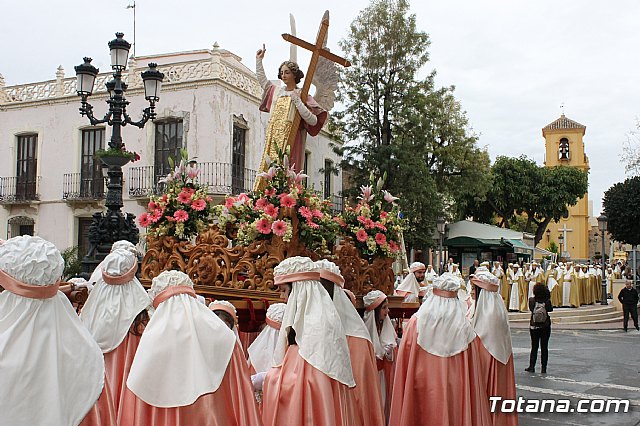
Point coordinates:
[(219, 178), (77, 187), (19, 189), (337, 204)]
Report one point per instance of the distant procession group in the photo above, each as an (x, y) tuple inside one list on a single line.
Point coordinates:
[(570, 285)]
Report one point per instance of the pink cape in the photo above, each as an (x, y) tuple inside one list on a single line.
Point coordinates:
[(117, 365), (501, 381), (298, 394), (103, 412), (365, 373), (386, 371), (233, 403), (448, 390)]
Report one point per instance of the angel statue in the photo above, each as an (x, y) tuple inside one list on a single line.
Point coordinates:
[(283, 102)]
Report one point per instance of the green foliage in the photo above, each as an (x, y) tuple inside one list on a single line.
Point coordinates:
[(396, 124), (527, 197), (72, 262), (622, 207), (553, 247)]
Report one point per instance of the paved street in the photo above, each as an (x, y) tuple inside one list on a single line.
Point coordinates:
[(583, 364)]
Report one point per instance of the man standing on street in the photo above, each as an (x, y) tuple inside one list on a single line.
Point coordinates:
[(628, 296)]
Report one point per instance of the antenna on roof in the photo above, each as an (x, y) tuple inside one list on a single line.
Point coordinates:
[(133, 6)]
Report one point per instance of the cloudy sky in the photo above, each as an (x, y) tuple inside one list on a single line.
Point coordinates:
[(513, 62)]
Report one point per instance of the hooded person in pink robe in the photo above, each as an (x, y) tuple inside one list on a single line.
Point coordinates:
[(438, 373), (365, 371), (51, 369), (383, 337), (491, 323), (115, 314), (312, 377), (189, 368)]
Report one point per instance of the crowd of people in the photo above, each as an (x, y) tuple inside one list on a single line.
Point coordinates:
[(163, 357)]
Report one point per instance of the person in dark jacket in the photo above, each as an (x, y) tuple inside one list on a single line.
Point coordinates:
[(628, 296), (539, 332)]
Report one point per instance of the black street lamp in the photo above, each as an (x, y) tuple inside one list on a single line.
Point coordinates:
[(113, 225), (602, 225), (440, 226)]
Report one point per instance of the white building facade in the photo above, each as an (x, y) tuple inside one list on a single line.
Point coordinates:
[(51, 183)]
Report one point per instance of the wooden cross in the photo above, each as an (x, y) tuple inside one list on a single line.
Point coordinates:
[(317, 51)]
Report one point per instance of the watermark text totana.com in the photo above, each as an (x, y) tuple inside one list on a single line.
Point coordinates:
[(522, 405)]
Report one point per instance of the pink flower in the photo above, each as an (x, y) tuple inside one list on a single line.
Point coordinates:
[(228, 203), (199, 205), (157, 214), (264, 226), (389, 198), (369, 224), (317, 213), (192, 172), (152, 205), (209, 199), (184, 197), (380, 226), (383, 215), (181, 215), (361, 235), (287, 201), (170, 218), (279, 227), (144, 220), (270, 192), (188, 190), (361, 219), (367, 193), (312, 224), (381, 239), (393, 246), (243, 198), (340, 222), (305, 212), (271, 210), (261, 202)]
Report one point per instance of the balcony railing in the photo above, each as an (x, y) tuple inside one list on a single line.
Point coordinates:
[(219, 178), (337, 204), (18, 190), (76, 187)]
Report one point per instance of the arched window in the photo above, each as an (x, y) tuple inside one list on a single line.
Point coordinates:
[(20, 225), (563, 151)]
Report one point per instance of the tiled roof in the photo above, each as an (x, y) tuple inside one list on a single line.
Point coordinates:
[(564, 123)]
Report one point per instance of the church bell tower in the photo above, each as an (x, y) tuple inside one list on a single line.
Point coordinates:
[(564, 146)]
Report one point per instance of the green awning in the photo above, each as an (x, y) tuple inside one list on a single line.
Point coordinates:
[(518, 246)]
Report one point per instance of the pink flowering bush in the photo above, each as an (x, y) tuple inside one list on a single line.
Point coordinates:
[(271, 211), (374, 225), (183, 210)]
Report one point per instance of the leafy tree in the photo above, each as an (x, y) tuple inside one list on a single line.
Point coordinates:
[(396, 124), (622, 207), (528, 197), (72, 262)]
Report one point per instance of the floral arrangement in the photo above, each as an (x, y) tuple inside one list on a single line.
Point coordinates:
[(115, 152), (269, 211), (375, 224), (183, 210)]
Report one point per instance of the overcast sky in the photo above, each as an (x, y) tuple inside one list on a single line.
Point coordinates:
[(513, 62)]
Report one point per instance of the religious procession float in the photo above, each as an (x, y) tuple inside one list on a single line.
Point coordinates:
[(229, 250)]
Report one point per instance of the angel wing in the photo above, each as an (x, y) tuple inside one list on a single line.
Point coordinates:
[(325, 79)]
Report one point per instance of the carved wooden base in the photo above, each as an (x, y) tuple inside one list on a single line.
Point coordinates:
[(219, 269)]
